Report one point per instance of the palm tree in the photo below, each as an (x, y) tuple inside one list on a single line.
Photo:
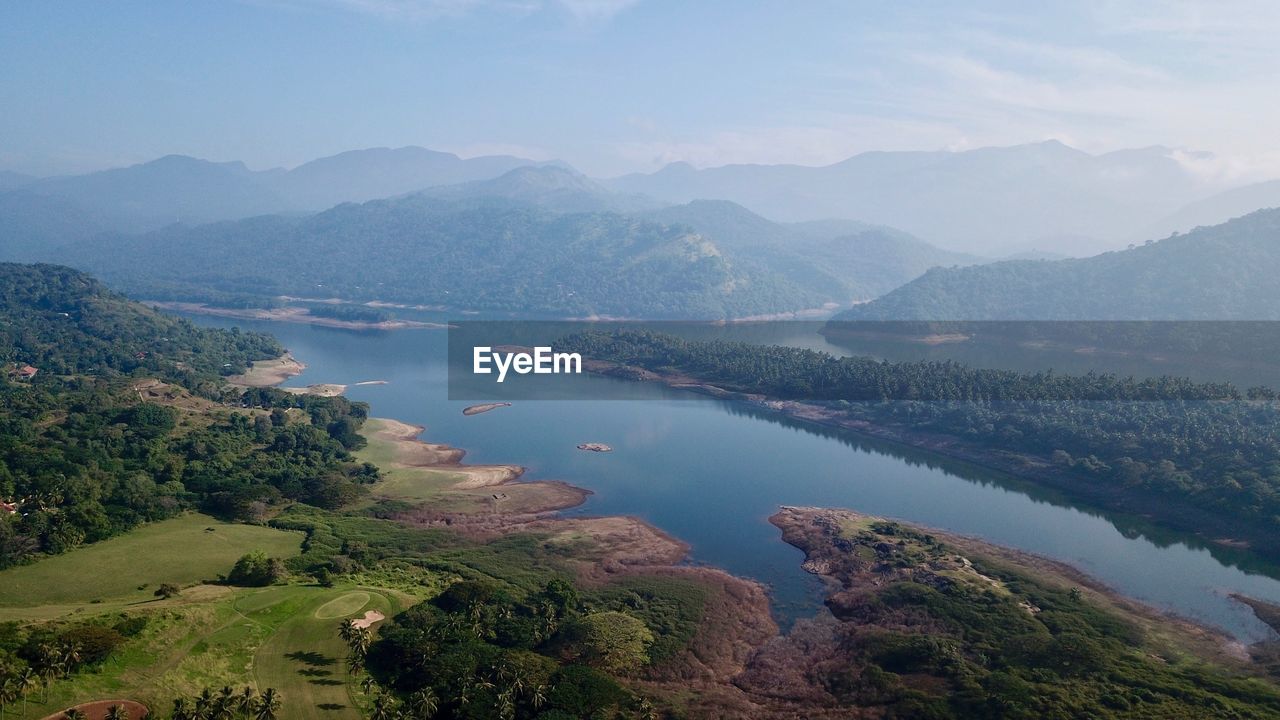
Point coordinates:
[(73, 714), (225, 704), (71, 655), (368, 684), (26, 680), (355, 664), (49, 660), (245, 702), (117, 712), (347, 630), (507, 705), (384, 707), (268, 705), (423, 704), (538, 696), (181, 710), (8, 693), (204, 704), (360, 641)]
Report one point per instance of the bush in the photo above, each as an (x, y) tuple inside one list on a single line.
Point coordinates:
[(255, 569), (94, 642)]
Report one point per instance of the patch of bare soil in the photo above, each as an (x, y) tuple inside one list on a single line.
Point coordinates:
[(319, 390), (265, 373), (412, 452), (291, 314)]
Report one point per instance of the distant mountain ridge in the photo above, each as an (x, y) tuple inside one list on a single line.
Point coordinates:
[(848, 260), (1223, 272), (1220, 208), (178, 188), (551, 187), (716, 259), (993, 201)]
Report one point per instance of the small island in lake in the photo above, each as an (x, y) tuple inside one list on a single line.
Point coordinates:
[(486, 407), (595, 447)]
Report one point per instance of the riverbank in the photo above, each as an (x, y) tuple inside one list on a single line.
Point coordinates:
[(1173, 513), (267, 373), (921, 614), (489, 503), (291, 315)]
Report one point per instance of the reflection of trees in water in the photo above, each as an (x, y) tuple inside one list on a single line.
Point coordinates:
[(1129, 526)]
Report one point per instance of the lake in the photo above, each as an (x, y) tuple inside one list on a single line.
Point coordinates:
[(711, 473)]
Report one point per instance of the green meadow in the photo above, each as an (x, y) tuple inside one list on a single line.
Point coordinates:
[(183, 550)]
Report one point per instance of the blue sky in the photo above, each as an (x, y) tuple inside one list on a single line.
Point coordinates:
[(613, 86)]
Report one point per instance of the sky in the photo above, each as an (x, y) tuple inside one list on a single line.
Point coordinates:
[(616, 86)]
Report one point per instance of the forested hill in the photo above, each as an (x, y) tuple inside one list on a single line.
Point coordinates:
[(489, 254), (1224, 272), (126, 420), (846, 260), (62, 321)]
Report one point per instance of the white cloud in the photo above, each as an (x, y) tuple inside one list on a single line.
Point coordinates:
[(1195, 75)]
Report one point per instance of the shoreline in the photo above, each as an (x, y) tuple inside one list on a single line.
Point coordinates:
[(738, 618), (1211, 643), (859, 558), (268, 373), (1159, 510), (730, 657), (290, 314)]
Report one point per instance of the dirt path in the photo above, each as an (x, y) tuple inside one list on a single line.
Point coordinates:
[(97, 710)]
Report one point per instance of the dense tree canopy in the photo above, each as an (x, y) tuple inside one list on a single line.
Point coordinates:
[(83, 455)]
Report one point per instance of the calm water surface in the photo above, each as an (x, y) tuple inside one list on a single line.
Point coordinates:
[(712, 472)]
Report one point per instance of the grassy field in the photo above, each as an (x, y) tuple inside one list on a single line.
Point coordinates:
[(183, 550), (282, 636)]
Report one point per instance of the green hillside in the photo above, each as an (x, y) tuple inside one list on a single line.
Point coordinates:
[(1224, 272), (482, 254)]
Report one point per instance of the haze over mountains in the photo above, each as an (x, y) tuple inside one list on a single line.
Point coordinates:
[(177, 188), (992, 201), (998, 201), (706, 243), (1223, 272), (488, 254)]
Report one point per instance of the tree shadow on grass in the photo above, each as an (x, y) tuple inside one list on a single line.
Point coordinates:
[(326, 682), (311, 658), (331, 706)]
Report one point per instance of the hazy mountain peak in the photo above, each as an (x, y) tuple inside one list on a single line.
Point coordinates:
[(554, 187), (991, 201)]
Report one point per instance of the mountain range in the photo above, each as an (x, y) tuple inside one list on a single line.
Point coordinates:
[(997, 201), (478, 253), (182, 189), (1222, 272), (851, 232), (992, 201), (539, 239)]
